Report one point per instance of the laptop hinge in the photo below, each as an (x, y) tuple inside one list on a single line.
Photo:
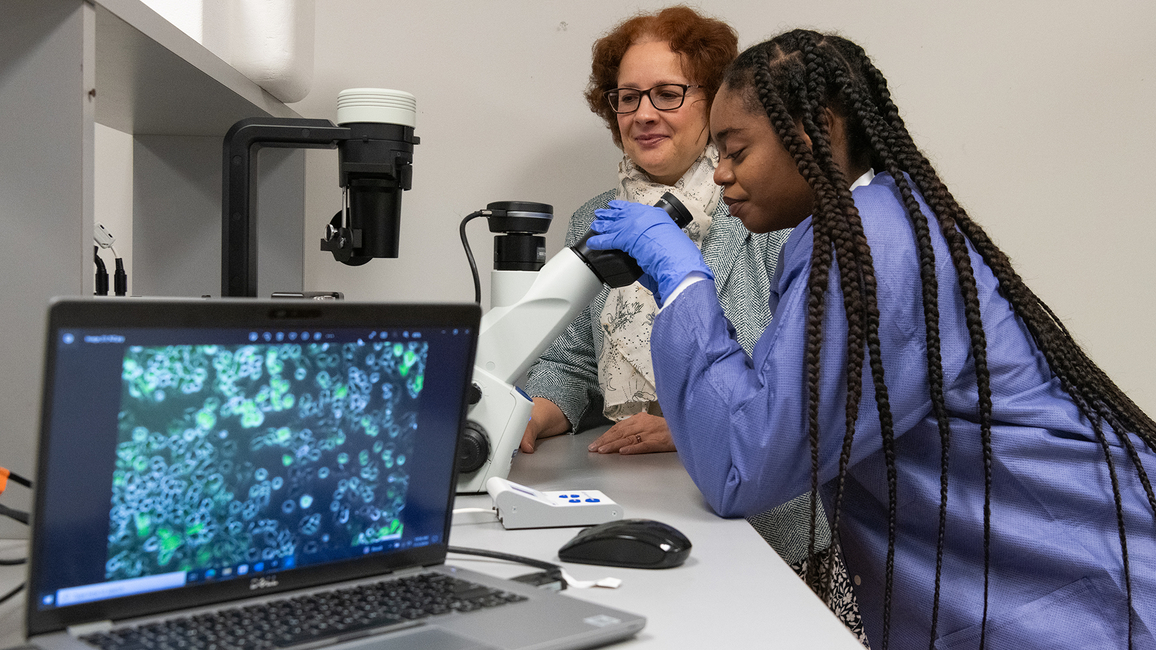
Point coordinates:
[(89, 628)]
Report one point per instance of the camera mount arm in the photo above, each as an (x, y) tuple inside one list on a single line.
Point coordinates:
[(239, 216)]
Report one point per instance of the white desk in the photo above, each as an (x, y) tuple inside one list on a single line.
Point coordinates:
[(733, 592)]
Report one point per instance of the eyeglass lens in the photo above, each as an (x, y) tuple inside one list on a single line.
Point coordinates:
[(666, 97)]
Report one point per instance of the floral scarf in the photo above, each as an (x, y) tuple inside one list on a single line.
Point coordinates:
[(625, 372)]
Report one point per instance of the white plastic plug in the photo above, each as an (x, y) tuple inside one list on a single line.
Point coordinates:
[(102, 236)]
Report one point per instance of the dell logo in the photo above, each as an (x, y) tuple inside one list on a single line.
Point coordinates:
[(263, 583)]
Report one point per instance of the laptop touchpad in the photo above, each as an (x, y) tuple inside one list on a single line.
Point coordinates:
[(423, 638)]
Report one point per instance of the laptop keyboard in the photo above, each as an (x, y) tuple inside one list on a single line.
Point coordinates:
[(306, 619)]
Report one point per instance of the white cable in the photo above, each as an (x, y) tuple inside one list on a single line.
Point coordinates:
[(461, 510), (605, 583)]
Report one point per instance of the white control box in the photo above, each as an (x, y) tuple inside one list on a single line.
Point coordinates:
[(519, 506)]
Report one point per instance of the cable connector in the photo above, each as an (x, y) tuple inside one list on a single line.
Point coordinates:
[(103, 237), (549, 580)]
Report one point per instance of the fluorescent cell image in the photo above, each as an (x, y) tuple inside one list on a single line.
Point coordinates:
[(224, 449)]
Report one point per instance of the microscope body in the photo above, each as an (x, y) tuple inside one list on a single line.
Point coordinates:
[(528, 311), (512, 336)]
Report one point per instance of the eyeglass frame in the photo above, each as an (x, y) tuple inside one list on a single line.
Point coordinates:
[(646, 93)]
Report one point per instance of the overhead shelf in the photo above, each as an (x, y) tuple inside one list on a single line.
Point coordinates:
[(153, 79)]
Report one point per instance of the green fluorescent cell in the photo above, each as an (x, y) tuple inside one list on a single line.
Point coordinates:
[(169, 542), (206, 419), (143, 524), (272, 363)]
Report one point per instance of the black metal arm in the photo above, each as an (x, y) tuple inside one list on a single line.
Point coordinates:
[(239, 213)]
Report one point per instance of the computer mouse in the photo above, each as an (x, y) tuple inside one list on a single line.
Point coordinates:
[(633, 543)]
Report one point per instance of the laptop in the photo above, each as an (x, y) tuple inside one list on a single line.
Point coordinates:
[(213, 471)]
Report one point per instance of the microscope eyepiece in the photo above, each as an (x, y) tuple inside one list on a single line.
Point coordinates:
[(616, 268)]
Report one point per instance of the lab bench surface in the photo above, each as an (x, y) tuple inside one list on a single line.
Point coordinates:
[(734, 591)]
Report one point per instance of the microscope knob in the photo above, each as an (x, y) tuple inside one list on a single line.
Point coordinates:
[(475, 394), (473, 448)]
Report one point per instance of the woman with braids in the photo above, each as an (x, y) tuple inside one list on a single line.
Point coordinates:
[(986, 481), (652, 81)]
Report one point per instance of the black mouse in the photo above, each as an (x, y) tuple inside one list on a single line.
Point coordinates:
[(633, 543)]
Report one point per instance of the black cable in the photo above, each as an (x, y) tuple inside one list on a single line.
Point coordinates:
[(540, 564), (470, 255), (18, 515), (10, 594), (18, 478), (101, 273), (120, 278), (550, 577)]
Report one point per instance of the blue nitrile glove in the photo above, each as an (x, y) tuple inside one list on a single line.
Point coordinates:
[(648, 234)]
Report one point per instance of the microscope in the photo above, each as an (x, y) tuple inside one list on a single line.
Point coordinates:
[(531, 303), (374, 138)]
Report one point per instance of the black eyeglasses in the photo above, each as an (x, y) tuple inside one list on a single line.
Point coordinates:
[(664, 97)]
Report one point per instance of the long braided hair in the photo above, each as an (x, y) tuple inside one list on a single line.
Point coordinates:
[(801, 77)]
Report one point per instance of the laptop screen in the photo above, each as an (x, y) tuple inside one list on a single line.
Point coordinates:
[(230, 457)]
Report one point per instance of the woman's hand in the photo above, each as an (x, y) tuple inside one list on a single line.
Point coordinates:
[(546, 420), (641, 433), (652, 238)]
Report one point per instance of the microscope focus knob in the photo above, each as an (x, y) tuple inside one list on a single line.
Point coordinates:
[(474, 395), (473, 448)]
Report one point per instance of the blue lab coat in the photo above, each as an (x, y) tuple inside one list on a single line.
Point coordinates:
[(740, 425)]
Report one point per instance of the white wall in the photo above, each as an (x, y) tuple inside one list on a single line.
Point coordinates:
[(1039, 116)]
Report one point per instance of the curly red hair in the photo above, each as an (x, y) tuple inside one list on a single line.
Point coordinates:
[(706, 46)]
